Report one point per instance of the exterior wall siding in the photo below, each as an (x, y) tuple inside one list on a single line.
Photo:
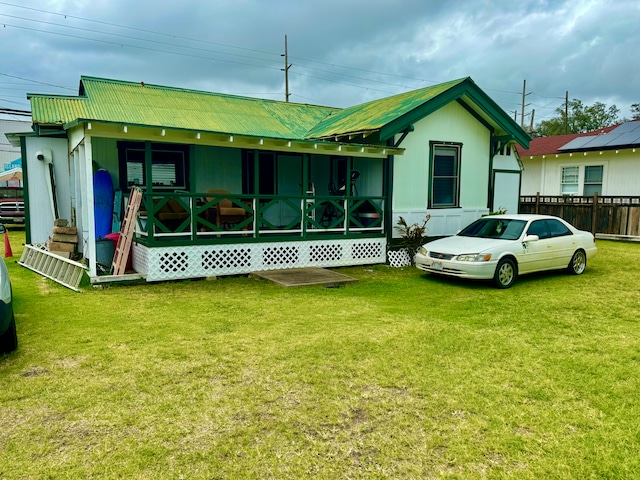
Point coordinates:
[(451, 123), (40, 213), (621, 172)]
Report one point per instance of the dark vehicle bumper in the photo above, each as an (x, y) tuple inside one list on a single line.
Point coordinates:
[(6, 313)]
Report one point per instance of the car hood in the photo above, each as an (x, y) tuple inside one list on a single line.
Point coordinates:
[(457, 244)]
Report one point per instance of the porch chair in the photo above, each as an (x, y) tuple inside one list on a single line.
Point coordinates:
[(226, 212)]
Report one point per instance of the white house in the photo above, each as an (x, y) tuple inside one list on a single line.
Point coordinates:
[(606, 162), (307, 185)]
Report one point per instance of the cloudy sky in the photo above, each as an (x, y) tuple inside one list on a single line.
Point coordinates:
[(342, 52)]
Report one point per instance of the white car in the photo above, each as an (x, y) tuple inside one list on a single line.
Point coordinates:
[(501, 247)]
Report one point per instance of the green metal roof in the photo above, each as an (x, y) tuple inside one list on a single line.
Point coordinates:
[(132, 103), (376, 114), (395, 114)]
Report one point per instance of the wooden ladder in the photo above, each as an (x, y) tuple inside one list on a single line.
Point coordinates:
[(59, 269), (123, 247)]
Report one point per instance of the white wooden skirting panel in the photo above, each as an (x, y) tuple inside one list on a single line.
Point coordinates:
[(444, 221), (175, 263)]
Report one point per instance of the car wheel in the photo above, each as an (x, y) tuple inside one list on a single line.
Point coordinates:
[(9, 339), (506, 273), (578, 263)]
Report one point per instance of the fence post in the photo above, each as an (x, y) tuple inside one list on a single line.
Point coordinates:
[(594, 213), (537, 202)]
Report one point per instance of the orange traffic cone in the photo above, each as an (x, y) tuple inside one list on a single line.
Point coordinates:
[(7, 246)]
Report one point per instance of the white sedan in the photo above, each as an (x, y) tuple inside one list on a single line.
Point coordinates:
[(501, 247)]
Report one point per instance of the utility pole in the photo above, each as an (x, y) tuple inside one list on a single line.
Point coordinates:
[(286, 69), (566, 112), (524, 95), (533, 112)]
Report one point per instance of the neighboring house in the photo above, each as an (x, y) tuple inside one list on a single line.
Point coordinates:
[(234, 184), (606, 162), (10, 161)]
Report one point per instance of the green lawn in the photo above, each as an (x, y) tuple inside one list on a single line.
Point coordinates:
[(400, 375)]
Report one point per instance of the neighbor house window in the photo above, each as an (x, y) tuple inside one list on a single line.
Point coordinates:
[(570, 177), (168, 166), (582, 180), (445, 175), (593, 180)]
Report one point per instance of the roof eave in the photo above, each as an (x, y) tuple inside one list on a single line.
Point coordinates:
[(466, 88)]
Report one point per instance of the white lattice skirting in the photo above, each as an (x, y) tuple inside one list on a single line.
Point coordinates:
[(196, 261), (399, 258)]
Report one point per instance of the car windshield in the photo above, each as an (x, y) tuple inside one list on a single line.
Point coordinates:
[(494, 227)]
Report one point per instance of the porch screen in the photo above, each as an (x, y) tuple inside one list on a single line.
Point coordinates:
[(445, 176), (168, 166)]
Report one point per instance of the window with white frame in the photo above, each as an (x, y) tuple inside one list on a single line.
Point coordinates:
[(570, 177), (593, 179), (445, 175), (582, 180)]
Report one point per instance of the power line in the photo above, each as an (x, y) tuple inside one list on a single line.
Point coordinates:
[(35, 81), (208, 51)]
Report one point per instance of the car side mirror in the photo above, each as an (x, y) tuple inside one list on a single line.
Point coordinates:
[(2, 228), (531, 238)]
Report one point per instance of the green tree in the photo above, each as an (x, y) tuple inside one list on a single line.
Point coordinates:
[(635, 111), (579, 118)]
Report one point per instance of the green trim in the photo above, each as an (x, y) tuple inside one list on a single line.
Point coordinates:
[(475, 115), (405, 121), (25, 189), (467, 88), (432, 145)]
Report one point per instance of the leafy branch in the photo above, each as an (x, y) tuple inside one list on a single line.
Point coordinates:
[(412, 236)]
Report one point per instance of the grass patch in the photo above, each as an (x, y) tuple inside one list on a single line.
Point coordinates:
[(401, 374)]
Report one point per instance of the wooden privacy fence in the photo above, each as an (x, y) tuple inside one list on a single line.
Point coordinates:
[(597, 214)]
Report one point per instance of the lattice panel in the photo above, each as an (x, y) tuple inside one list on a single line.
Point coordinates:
[(174, 262), (366, 250), (234, 258), (197, 261), (399, 258), (281, 255), (325, 253)]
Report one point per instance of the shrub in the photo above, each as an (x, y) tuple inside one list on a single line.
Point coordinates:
[(412, 236)]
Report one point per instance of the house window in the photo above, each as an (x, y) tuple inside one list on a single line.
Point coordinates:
[(593, 180), (570, 177), (168, 166), (445, 175), (582, 180)]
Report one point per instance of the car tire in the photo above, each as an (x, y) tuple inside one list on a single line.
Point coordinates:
[(9, 339), (578, 263), (506, 273)]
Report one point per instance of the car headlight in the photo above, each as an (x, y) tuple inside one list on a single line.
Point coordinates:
[(474, 257), (423, 251)]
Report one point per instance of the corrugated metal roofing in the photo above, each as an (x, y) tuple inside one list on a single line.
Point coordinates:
[(377, 113), (142, 104), (131, 103)]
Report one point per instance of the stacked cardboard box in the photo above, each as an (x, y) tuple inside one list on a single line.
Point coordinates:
[(64, 239)]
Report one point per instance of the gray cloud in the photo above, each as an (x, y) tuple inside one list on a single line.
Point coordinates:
[(342, 53)]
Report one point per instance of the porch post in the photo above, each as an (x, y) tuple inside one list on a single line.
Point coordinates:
[(388, 193), (88, 220)]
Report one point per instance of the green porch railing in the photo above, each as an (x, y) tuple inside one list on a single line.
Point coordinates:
[(203, 217)]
